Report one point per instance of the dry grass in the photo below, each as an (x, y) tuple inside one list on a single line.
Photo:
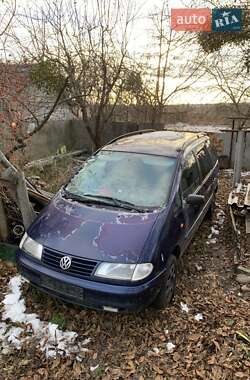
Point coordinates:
[(52, 177)]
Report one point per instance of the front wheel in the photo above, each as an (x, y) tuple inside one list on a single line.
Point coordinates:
[(167, 291)]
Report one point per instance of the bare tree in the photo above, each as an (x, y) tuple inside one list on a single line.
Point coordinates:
[(86, 47), (227, 62), (167, 73), (8, 10), (228, 76)]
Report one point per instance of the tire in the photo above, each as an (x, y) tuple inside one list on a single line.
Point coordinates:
[(210, 211), (167, 291)]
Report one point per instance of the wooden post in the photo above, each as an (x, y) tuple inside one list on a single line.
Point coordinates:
[(24, 204), (239, 153), (17, 180), (3, 223)]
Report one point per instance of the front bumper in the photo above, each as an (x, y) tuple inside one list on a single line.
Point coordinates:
[(92, 294)]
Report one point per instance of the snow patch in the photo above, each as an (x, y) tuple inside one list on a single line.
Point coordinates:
[(52, 340), (198, 317), (92, 369), (10, 337), (212, 241), (198, 267), (156, 350), (215, 229), (170, 347), (184, 307)]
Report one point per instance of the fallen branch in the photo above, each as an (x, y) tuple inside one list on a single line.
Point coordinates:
[(43, 162)]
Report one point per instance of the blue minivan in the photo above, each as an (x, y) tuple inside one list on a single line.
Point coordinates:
[(111, 238)]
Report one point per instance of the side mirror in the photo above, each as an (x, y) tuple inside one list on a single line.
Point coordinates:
[(195, 199)]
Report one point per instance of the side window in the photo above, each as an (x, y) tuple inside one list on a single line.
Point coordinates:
[(204, 161), (190, 175)]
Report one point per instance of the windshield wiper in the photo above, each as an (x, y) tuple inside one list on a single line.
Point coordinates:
[(117, 202), (102, 199), (76, 197)]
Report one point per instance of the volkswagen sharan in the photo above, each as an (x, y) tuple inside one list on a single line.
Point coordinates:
[(111, 238)]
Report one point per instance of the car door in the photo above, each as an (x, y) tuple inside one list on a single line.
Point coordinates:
[(190, 182)]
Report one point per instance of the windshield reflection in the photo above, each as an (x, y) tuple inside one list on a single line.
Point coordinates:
[(140, 179)]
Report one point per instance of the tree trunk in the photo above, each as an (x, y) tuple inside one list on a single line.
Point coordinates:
[(3, 223), (98, 140), (99, 128), (153, 116)]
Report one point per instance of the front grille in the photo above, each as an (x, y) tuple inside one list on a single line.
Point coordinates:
[(79, 267)]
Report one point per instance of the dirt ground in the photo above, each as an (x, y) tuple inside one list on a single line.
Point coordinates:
[(136, 346)]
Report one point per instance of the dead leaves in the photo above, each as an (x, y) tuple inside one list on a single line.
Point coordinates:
[(241, 375), (194, 337)]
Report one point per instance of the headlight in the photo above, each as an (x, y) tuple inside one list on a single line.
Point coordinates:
[(125, 272), (31, 247)]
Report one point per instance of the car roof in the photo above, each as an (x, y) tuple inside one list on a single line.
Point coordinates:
[(163, 143)]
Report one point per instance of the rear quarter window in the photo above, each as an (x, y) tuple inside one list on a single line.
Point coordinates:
[(190, 175), (212, 152), (204, 161)]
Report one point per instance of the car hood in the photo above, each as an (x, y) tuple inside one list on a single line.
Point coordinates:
[(93, 232)]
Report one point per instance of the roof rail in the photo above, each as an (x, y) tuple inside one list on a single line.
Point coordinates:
[(190, 142), (126, 135)]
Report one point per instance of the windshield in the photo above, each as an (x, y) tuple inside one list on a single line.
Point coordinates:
[(140, 179)]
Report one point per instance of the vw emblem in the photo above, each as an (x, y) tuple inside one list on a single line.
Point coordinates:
[(65, 262)]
